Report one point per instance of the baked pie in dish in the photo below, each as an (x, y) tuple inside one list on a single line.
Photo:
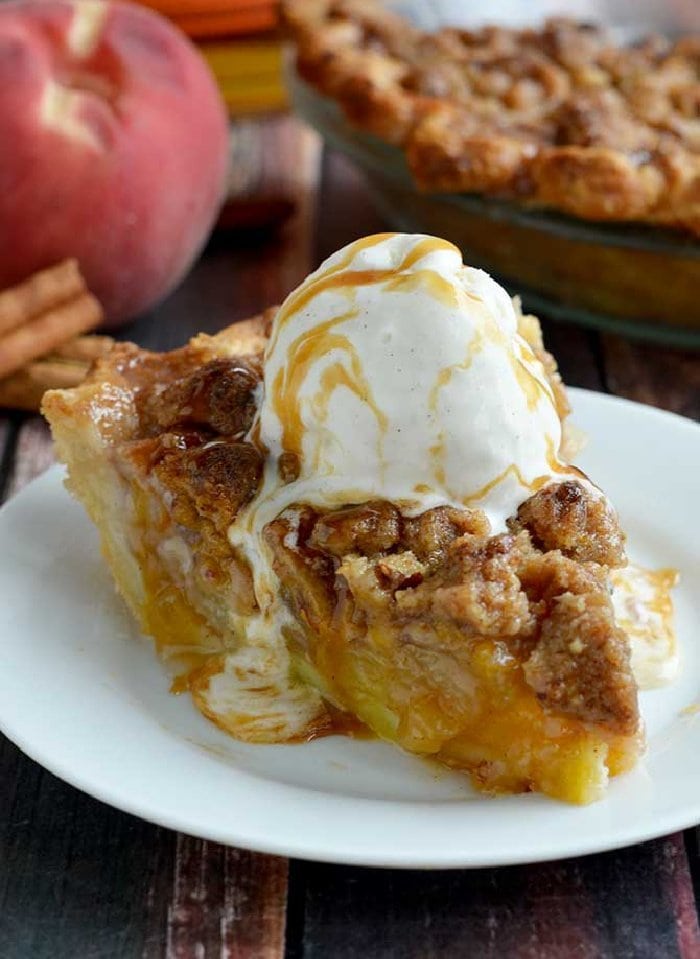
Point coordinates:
[(359, 510), (559, 117)]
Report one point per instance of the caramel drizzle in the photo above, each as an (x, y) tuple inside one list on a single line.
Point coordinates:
[(429, 245), (340, 277), (522, 359), (438, 287), (337, 375), (476, 345), (555, 464), (295, 301), (512, 470), (421, 489), (664, 578), (443, 378), (304, 351), (438, 453), (532, 386), (439, 450), (661, 582)]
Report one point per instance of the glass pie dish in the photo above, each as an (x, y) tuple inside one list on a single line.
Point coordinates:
[(631, 279)]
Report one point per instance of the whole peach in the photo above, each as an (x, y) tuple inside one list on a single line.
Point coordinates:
[(113, 147)]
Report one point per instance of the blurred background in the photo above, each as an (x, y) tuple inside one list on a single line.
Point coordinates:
[(600, 276), (298, 180), (241, 42), (668, 16)]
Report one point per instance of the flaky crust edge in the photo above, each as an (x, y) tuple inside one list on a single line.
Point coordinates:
[(87, 420)]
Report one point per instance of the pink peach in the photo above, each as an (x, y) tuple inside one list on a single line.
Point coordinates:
[(113, 147)]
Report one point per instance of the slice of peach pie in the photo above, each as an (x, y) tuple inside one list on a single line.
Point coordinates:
[(360, 506)]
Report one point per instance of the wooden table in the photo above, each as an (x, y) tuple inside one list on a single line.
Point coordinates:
[(79, 880)]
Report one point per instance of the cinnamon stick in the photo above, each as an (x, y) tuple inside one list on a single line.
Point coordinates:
[(25, 389), (44, 333), (40, 293), (83, 348)]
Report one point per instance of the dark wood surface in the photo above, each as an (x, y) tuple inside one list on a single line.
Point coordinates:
[(79, 880)]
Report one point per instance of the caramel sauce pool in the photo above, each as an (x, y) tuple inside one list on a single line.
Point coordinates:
[(339, 723)]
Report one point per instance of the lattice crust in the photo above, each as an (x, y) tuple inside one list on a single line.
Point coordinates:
[(560, 117)]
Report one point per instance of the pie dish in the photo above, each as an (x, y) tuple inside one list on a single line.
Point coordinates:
[(610, 276), (560, 117), (292, 600)]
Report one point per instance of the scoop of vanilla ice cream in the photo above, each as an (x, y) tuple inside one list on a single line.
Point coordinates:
[(396, 372)]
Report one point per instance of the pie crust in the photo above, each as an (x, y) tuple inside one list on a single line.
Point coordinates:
[(558, 117)]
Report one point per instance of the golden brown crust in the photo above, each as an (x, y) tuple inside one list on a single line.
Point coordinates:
[(574, 519), (429, 535), (218, 396), (581, 663), (150, 384), (559, 117), (190, 410), (368, 529), (211, 481), (476, 588), (185, 480)]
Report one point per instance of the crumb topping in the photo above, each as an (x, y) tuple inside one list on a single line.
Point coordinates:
[(570, 517), (443, 570)]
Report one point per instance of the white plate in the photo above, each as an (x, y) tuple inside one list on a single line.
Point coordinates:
[(84, 696)]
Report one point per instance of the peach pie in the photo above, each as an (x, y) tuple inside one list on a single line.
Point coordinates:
[(560, 117), (360, 508)]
